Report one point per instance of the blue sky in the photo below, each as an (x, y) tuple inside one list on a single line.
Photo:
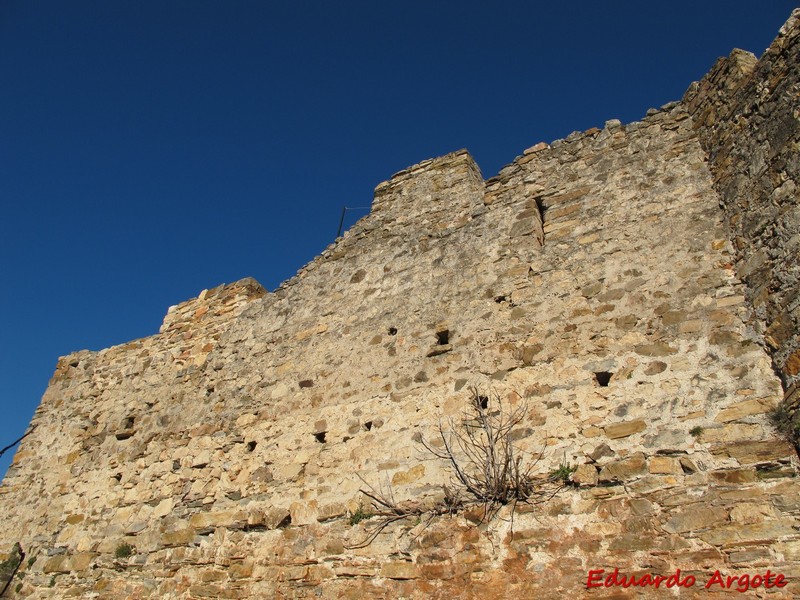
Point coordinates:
[(149, 150)]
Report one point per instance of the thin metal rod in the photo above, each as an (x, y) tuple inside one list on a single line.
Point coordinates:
[(344, 210), (341, 222)]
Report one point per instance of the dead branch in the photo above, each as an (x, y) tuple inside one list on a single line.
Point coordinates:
[(10, 566), (488, 469), (480, 452)]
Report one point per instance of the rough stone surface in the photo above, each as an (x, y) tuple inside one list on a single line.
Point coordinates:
[(747, 113), (627, 289)]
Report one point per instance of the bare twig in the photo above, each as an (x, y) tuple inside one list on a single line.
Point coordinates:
[(389, 511)]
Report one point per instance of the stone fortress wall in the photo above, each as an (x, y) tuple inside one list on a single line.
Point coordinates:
[(633, 288)]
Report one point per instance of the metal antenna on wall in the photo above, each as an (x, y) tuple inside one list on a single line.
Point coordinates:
[(344, 210)]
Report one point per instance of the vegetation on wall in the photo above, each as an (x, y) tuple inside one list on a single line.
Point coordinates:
[(488, 469), (786, 420)]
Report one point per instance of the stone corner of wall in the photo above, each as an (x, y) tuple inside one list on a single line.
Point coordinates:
[(791, 24), (726, 75), (453, 163), (730, 72), (217, 301)]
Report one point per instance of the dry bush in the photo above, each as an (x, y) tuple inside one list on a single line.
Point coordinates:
[(487, 468), (485, 463)]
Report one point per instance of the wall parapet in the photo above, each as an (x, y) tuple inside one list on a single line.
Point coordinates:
[(189, 332)]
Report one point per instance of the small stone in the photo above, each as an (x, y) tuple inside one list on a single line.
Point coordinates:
[(692, 326), (673, 317), (439, 349), (655, 368), (665, 465), (591, 432), (537, 148), (730, 301), (602, 451), (399, 570), (201, 460), (656, 349), (585, 475), (410, 476), (529, 353)]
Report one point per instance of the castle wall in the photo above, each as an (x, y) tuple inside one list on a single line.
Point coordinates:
[(591, 284), (748, 116)]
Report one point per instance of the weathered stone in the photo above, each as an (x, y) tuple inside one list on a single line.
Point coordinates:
[(665, 465), (399, 570), (178, 537), (750, 512), (732, 432), (729, 301), (764, 532), (655, 367), (656, 349), (602, 451), (624, 429), (734, 476), (585, 475), (209, 520), (749, 452), (625, 469), (743, 409), (69, 563), (792, 365), (694, 518)]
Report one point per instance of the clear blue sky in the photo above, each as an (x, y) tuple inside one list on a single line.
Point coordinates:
[(151, 149)]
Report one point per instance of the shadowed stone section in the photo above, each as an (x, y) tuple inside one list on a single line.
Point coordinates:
[(591, 286), (747, 113)]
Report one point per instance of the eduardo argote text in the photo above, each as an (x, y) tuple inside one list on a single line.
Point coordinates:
[(600, 578)]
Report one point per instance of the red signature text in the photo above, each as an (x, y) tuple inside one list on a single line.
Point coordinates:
[(741, 583)]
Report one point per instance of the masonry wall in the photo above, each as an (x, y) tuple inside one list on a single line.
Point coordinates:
[(594, 283), (748, 116)]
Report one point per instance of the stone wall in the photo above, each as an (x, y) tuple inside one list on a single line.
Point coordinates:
[(748, 117), (592, 284)]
